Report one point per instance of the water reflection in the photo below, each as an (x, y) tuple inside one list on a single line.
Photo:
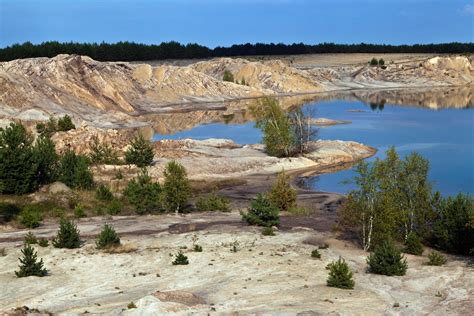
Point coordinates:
[(176, 119)]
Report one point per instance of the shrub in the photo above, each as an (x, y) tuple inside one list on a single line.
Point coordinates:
[(213, 202), (30, 216), (67, 236), (282, 194), (413, 245), (436, 259), (30, 239), (131, 305), (114, 207), (103, 153), (228, 76), (340, 275), (18, 168), (451, 229), (267, 231), (140, 152), (42, 242), (65, 124), (47, 160), (143, 194), (262, 212), (79, 211), (176, 187), (374, 62), (315, 254), (103, 193), (197, 248), (29, 264), (387, 260), (74, 171), (107, 238), (381, 62), (180, 259), (8, 211)]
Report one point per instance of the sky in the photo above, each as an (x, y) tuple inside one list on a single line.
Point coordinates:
[(226, 22)]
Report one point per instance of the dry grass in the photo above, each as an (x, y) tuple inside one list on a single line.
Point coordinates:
[(128, 248)]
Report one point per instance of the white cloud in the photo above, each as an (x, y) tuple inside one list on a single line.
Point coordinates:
[(468, 9)]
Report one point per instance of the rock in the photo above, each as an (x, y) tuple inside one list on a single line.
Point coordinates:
[(182, 297), (58, 187)]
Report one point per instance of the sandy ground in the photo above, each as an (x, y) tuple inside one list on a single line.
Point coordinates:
[(273, 274)]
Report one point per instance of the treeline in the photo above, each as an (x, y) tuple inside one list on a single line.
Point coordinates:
[(130, 51)]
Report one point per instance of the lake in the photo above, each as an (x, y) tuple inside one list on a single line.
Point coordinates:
[(445, 136)]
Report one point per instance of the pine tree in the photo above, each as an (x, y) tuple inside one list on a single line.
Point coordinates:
[(262, 212), (282, 194), (18, 167), (413, 245), (67, 236), (176, 187), (140, 153), (143, 193), (107, 238), (29, 264), (340, 275), (180, 259), (388, 260)]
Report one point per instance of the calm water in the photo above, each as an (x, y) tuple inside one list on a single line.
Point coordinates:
[(445, 137)]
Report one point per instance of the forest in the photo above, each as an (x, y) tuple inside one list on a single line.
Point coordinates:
[(130, 51)]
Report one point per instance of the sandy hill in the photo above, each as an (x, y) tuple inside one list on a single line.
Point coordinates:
[(106, 92)]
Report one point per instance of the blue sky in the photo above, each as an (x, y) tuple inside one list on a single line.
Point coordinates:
[(225, 22)]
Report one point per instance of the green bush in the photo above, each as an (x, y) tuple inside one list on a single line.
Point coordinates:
[(282, 194), (387, 260), (67, 235), (8, 211), (213, 202), (267, 231), (381, 62), (180, 259), (143, 194), (79, 211), (262, 212), (103, 193), (30, 216), (176, 187), (140, 152), (65, 124), (42, 242), (315, 254), (436, 259), (413, 245), (114, 207), (197, 248), (30, 239), (340, 275), (453, 227), (74, 171), (29, 264), (131, 305), (107, 238), (228, 76), (103, 153), (374, 62), (47, 160), (18, 167)]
